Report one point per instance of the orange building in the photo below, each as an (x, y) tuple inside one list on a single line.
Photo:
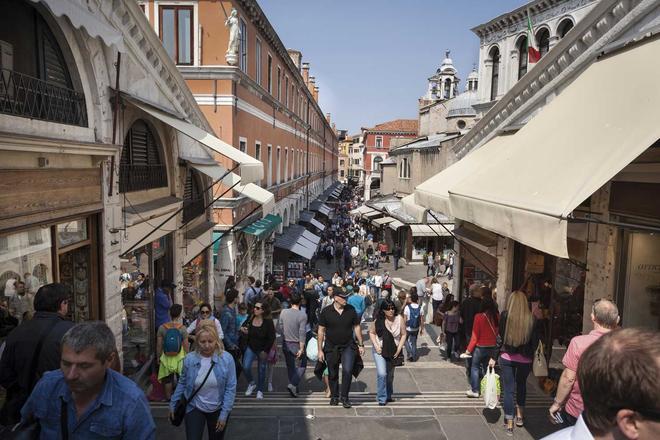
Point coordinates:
[(258, 97)]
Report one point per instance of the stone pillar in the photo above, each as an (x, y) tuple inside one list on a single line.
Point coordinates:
[(553, 41), (504, 270), (513, 62), (601, 257), (485, 87)]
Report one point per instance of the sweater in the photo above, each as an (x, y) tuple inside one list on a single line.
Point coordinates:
[(261, 338), (484, 333)]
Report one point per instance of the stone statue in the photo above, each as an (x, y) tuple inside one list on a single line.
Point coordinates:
[(234, 34)]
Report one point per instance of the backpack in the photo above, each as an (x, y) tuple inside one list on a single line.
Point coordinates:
[(415, 317), (173, 340)]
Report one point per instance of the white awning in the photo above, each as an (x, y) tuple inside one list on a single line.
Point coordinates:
[(311, 237), (412, 209), (362, 209), (576, 144), (251, 191), (434, 192), (372, 214), (396, 224), (430, 230), (251, 169), (382, 221), (82, 17), (317, 224)]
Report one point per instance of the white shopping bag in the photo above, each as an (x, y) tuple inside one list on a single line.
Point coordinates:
[(312, 350), (490, 388)]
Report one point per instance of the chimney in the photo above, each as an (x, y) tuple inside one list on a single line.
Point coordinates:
[(296, 57), (305, 73), (316, 94)]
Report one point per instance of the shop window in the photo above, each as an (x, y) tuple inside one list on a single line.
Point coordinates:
[(35, 80), (24, 258), (141, 166), (193, 197), (522, 56), (71, 232), (176, 32)]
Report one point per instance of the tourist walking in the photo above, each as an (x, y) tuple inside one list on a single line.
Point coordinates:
[(171, 347), (388, 336), (292, 326), (450, 326), (396, 255), (437, 294), (414, 325), (205, 314), (208, 384), (483, 344), (339, 324), (260, 337)]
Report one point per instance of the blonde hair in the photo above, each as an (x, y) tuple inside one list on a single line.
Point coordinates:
[(519, 320), (208, 326)]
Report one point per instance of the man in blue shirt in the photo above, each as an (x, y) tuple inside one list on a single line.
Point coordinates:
[(163, 302), (98, 401)]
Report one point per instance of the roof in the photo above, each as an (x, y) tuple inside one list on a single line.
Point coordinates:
[(432, 141), (401, 125)]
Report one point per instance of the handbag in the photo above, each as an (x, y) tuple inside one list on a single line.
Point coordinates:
[(398, 361), (540, 365), (180, 408)]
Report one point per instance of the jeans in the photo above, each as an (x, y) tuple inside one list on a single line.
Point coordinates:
[(514, 376), (451, 339), (411, 344), (384, 378), (195, 421), (480, 359), (436, 305), (396, 263), (294, 372), (430, 270), (333, 356), (248, 358)]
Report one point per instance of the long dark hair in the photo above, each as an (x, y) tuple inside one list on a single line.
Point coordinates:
[(489, 307), (446, 304), (387, 303)]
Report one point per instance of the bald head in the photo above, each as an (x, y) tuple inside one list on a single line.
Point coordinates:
[(605, 313)]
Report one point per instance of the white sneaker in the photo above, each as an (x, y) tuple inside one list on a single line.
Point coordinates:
[(465, 355), (260, 395), (471, 393), (292, 390), (250, 389), (270, 387)]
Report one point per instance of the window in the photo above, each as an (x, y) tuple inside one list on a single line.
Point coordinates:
[(404, 168), (279, 83), (522, 56), (543, 40), (270, 165), (341, 163), (257, 151), (242, 144), (379, 142), (242, 46), (270, 74), (495, 73), (141, 166), (277, 164), (565, 26), (257, 55), (176, 32), (377, 161), (341, 173), (461, 124), (286, 91), (286, 164), (193, 197), (447, 91)]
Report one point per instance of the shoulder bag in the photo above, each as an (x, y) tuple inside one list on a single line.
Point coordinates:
[(180, 408), (498, 338)]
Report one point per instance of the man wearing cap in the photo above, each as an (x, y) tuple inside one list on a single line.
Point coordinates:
[(337, 326)]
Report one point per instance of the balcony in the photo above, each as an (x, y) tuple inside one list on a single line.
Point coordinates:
[(192, 209), (141, 177), (25, 96)]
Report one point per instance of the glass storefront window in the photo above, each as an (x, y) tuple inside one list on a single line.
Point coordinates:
[(71, 232), (194, 284), (25, 256), (641, 305)]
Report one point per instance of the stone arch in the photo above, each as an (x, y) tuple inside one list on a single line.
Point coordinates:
[(565, 24)]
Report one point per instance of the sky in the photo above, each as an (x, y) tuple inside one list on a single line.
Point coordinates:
[(372, 58)]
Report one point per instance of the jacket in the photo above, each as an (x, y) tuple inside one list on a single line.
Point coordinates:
[(225, 375), (526, 350)]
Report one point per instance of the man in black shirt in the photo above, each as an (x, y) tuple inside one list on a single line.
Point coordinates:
[(337, 325)]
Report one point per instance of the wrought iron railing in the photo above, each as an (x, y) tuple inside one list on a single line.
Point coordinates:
[(26, 96), (192, 209), (140, 177)]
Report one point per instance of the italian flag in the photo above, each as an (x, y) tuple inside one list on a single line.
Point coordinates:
[(533, 53)]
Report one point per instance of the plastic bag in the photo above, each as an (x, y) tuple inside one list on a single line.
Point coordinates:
[(490, 388), (540, 366), (312, 350)]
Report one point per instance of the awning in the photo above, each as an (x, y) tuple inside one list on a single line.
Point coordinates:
[(430, 230), (478, 238), (382, 221), (263, 227), (434, 192), (362, 209), (216, 245), (576, 144), (372, 214), (299, 241), (320, 207), (412, 209), (317, 224), (198, 239), (306, 216), (479, 258), (396, 224), (82, 17), (251, 169)]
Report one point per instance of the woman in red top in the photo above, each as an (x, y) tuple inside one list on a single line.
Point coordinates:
[(483, 343)]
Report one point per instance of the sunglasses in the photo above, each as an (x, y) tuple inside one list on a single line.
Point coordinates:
[(258, 308), (205, 312), (389, 308)]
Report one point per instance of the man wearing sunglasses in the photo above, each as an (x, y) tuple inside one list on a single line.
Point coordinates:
[(618, 376)]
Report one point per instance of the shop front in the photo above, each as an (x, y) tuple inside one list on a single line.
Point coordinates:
[(430, 238), (294, 253)]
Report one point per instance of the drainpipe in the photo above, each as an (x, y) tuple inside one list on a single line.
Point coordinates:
[(115, 116), (307, 159)]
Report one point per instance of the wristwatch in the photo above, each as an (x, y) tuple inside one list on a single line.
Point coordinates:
[(361, 345)]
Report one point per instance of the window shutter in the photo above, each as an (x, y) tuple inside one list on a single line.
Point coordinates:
[(54, 66), (139, 144), (188, 189)]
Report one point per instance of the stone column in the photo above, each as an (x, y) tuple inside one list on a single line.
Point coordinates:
[(485, 88), (504, 270), (513, 75)]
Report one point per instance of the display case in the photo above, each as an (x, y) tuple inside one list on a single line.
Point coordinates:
[(295, 269)]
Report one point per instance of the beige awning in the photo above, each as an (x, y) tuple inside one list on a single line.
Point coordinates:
[(362, 209), (372, 214), (396, 224), (251, 169), (430, 230), (434, 192), (412, 209), (382, 221), (575, 145)]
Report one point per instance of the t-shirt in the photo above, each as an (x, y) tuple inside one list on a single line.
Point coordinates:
[(436, 292), (339, 327), (421, 287), (574, 404), (378, 281), (218, 327), (358, 303), (406, 314), (207, 398), (292, 325)]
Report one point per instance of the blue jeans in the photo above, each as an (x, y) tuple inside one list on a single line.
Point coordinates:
[(514, 376), (248, 358), (480, 359), (384, 378), (196, 420), (411, 344), (294, 372)]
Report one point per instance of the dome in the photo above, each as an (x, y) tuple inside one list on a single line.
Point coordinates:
[(462, 104), (473, 75), (447, 63)]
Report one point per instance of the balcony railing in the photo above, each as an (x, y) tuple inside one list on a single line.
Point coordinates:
[(140, 177), (29, 97), (192, 209)]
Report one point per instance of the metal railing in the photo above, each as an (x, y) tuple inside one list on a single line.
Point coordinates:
[(29, 97), (192, 209), (140, 177)]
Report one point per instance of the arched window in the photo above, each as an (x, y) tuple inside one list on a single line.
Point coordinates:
[(377, 161), (193, 197), (141, 166), (564, 26), (543, 41), (447, 88), (522, 56), (495, 73)]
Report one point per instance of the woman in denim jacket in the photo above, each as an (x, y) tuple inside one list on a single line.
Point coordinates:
[(213, 402)]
